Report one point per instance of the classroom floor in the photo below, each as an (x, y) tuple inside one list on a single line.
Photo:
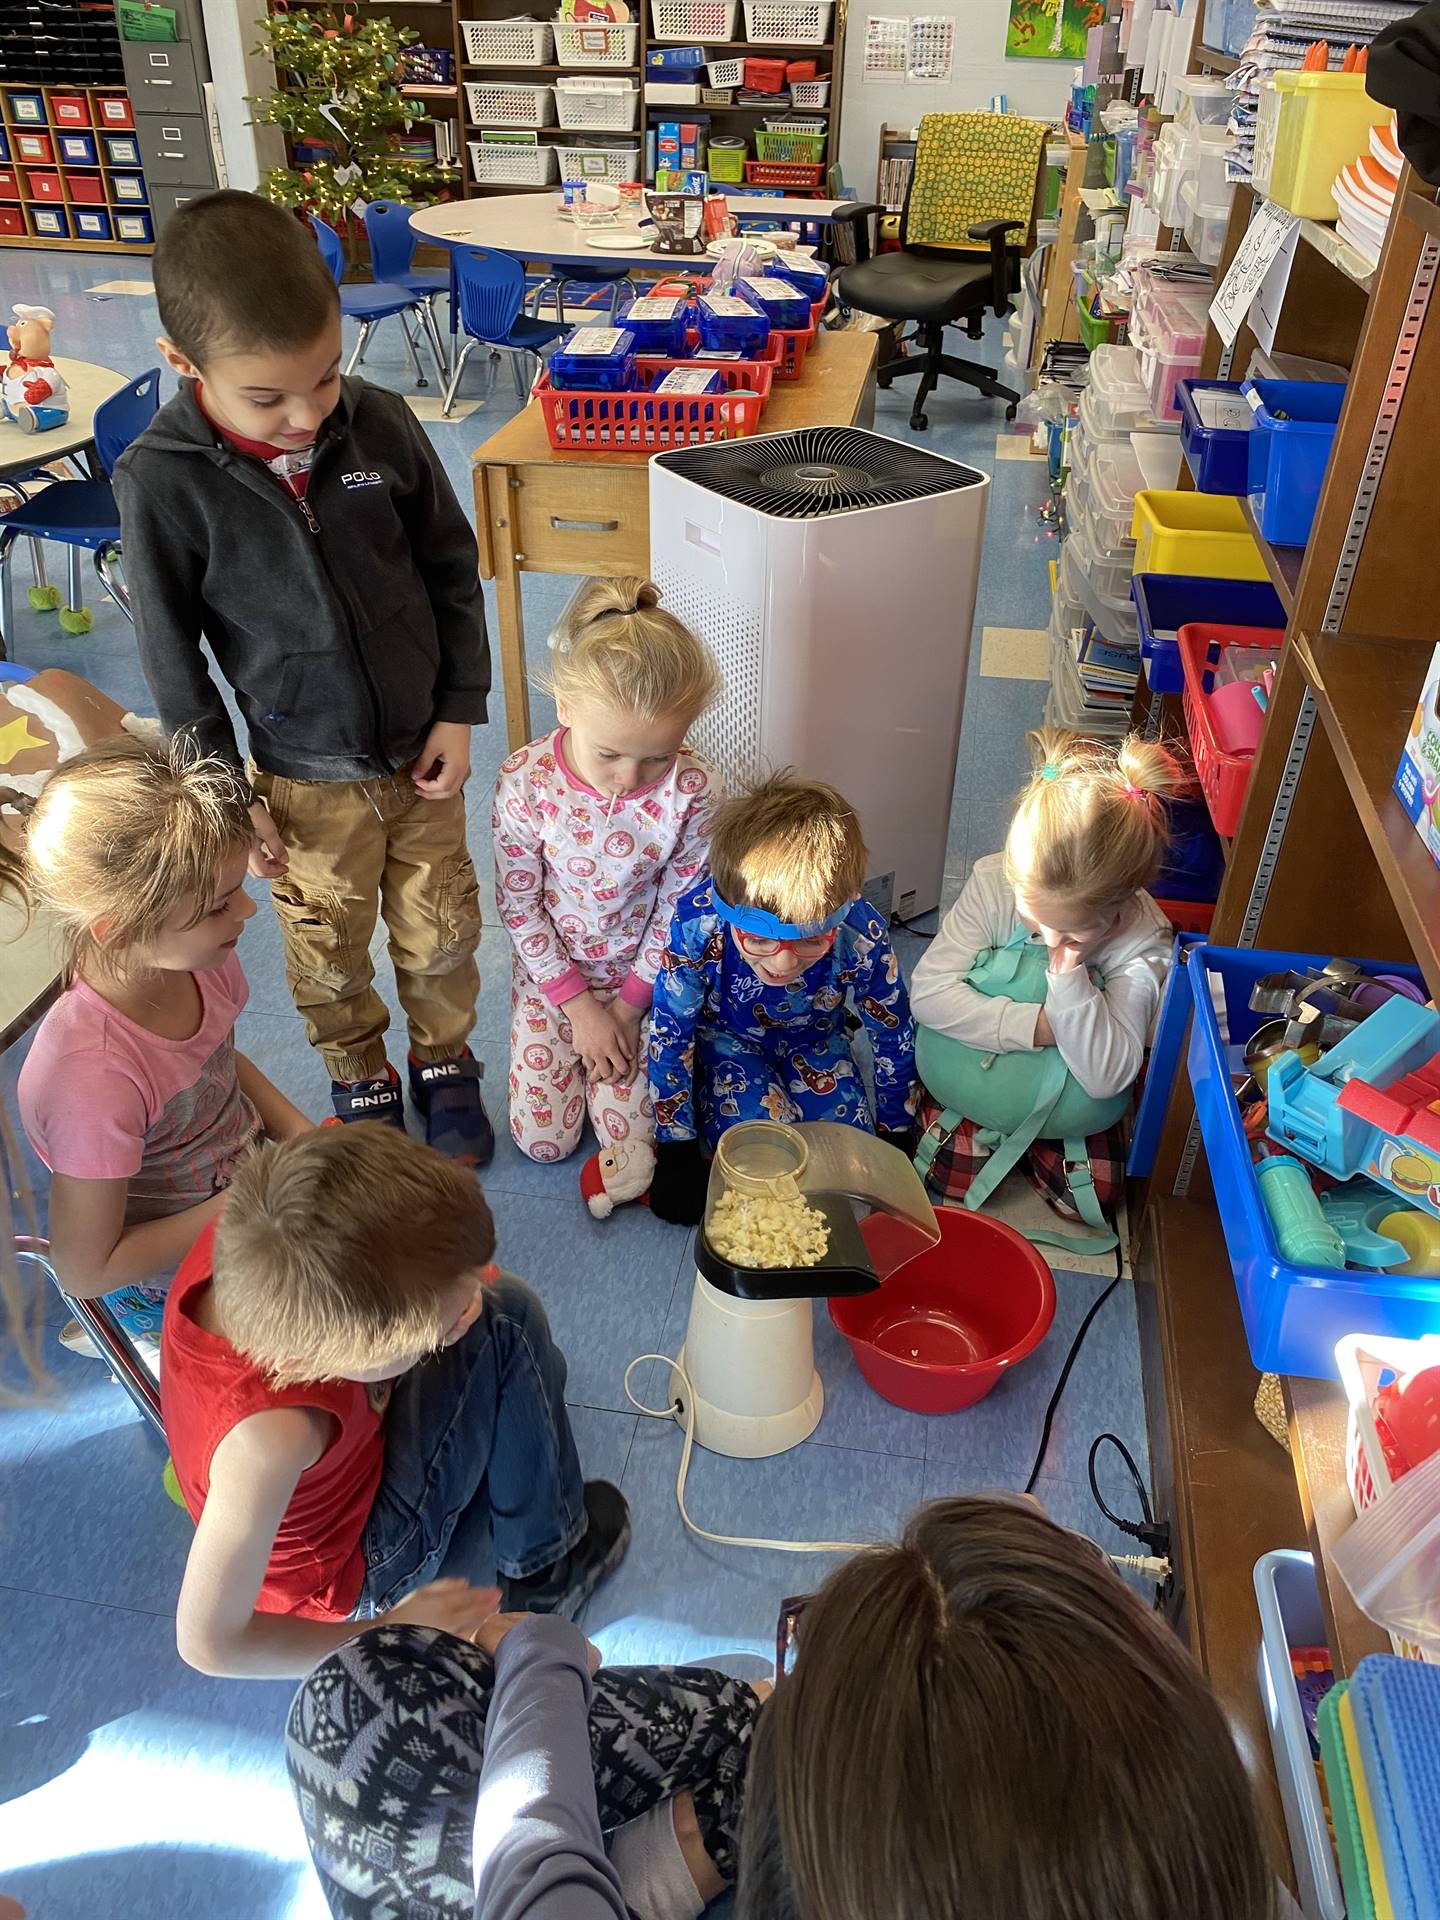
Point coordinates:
[(128, 1783)]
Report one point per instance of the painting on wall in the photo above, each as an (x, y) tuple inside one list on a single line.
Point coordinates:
[(1051, 29)]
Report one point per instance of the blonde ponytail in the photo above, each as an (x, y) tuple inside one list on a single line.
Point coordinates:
[(1091, 826), (619, 649)]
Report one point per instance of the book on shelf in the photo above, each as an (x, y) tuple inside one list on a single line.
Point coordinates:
[(895, 181)]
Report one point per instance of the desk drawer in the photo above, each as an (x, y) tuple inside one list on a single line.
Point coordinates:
[(582, 519)]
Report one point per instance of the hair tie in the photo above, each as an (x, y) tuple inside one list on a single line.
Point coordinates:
[(1049, 771), (1132, 792)]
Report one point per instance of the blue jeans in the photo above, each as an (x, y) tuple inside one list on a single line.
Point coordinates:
[(480, 1428)]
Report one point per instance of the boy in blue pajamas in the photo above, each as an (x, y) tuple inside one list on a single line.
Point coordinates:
[(765, 956)]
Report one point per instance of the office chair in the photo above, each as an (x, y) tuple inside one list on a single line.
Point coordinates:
[(491, 289), (975, 183), (81, 514)]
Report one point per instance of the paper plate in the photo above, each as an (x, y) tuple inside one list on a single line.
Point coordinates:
[(617, 240), (766, 249)]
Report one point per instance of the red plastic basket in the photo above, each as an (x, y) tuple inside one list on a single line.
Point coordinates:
[(1187, 916), (657, 422), (800, 175), (1223, 776), (787, 350)]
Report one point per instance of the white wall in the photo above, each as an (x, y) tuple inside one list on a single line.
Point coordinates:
[(1039, 87), (231, 36)]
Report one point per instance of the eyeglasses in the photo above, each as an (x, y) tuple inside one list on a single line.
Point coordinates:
[(787, 1626), (755, 946)]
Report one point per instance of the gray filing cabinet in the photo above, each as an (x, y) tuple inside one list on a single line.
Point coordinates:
[(165, 80)]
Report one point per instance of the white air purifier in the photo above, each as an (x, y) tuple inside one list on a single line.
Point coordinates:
[(832, 573)]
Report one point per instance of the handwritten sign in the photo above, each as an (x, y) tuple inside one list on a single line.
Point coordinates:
[(1271, 230)]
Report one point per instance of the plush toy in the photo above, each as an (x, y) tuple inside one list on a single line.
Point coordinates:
[(621, 1172), (46, 718), (33, 393)]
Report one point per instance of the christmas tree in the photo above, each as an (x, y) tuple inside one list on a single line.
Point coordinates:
[(339, 90)]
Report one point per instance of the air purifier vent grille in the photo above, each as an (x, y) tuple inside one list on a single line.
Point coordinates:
[(818, 471), (730, 732)]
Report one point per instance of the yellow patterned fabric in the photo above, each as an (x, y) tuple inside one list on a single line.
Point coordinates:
[(971, 167)]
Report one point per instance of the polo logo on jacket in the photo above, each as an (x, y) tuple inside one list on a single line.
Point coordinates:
[(360, 480)]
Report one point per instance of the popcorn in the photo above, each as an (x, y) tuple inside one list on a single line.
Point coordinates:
[(767, 1231)]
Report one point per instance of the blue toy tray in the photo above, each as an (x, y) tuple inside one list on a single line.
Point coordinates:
[(1165, 602), (1293, 1317)]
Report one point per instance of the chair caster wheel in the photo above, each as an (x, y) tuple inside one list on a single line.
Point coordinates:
[(883, 381), (918, 423), (1010, 410)]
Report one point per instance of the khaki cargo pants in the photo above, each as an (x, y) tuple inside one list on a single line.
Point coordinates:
[(357, 847)]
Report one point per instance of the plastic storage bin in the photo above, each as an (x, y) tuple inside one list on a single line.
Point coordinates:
[(693, 19), (50, 223), (788, 22), (91, 223), (121, 149), (69, 110), (85, 189), (1097, 581), (1167, 329), (509, 103), (594, 359), (1215, 427), (1166, 602), (1112, 478), (587, 43), (78, 149), (1223, 775), (1291, 1616), (1201, 102), (802, 271), (726, 155), (1307, 127), (1205, 224), (1295, 422), (1194, 533), (12, 220), (508, 43), (501, 163), (1115, 399), (658, 323), (729, 324), (42, 184), (1293, 1317), (782, 303), (616, 164)]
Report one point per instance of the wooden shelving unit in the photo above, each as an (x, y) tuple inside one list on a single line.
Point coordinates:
[(48, 199), (1324, 861)]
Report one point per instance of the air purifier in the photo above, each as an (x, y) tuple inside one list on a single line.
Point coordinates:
[(832, 573)]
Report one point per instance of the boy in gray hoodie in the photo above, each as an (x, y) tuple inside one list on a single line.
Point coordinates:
[(303, 525)]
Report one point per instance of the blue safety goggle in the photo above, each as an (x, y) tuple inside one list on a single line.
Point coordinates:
[(765, 926)]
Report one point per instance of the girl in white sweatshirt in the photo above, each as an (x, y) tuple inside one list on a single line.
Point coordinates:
[(1087, 837)]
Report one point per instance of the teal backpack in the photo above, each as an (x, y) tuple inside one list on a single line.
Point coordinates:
[(1016, 1098)]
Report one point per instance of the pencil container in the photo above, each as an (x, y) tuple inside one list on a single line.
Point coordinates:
[(595, 360), (658, 324), (782, 304), (731, 325)]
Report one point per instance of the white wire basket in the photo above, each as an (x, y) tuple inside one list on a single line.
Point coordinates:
[(497, 163), (799, 23), (509, 103), (507, 43), (617, 164), (693, 19), (810, 93), (590, 43), (726, 73), (597, 102)]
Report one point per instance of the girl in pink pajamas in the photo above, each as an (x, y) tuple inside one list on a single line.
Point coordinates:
[(599, 828)]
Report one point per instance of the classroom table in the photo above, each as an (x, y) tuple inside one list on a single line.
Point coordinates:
[(29, 967), (541, 511), (90, 386), (536, 226)]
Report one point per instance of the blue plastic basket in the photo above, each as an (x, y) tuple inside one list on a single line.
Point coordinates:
[(1295, 423), (1165, 602), (1218, 457), (1293, 1316)]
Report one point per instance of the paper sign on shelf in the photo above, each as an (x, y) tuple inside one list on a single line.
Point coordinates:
[(1271, 229), (1265, 307)]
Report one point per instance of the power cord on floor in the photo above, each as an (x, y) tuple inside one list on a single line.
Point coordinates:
[(1060, 1384)]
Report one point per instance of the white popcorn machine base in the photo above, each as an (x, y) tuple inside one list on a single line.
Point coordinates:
[(781, 1230)]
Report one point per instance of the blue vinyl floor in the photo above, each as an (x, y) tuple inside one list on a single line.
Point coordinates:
[(130, 1785)]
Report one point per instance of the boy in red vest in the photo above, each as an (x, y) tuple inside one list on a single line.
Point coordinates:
[(344, 1377)]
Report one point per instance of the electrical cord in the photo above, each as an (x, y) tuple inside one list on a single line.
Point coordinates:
[(1060, 1384), (1125, 1526)]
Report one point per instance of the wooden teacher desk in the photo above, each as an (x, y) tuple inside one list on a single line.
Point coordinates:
[(541, 511)]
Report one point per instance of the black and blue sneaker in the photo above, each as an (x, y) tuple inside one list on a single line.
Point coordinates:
[(565, 1586), (377, 1099), (447, 1097)]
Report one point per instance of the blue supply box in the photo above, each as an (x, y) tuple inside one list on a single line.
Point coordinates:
[(690, 382), (803, 272), (658, 324), (1215, 428), (730, 324), (1295, 422), (1293, 1315), (1417, 779), (594, 360), (1165, 602), (676, 59), (782, 303)]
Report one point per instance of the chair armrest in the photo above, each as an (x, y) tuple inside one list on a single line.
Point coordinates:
[(994, 232), (856, 214)]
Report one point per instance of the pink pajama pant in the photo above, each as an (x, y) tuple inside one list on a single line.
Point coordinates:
[(548, 1094)]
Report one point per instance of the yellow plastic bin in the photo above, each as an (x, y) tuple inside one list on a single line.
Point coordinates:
[(1309, 126), (1194, 533)]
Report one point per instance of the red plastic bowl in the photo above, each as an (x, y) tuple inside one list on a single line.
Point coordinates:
[(944, 1327)]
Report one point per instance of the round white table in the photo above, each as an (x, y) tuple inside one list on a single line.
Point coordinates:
[(90, 386)]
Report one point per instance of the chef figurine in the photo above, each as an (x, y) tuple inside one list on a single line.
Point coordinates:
[(32, 390)]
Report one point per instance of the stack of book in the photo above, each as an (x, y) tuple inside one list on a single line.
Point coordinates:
[(1365, 193)]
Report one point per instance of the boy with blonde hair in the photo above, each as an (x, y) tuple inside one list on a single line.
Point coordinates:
[(765, 958), (345, 1378)]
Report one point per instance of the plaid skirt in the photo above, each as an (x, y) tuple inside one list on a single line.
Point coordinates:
[(960, 1158)]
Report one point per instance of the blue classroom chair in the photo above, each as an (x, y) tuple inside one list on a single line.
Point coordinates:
[(373, 302), (491, 290)]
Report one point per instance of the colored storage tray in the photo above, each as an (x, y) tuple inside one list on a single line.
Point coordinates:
[(42, 184), (34, 149), (1291, 1616), (26, 109), (49, 223), (78, 149), (1293, 1316), (1218, 456), (114, 110), (91, 223), (793, 175), (1165, 602), (128, 188), (121, 149), (1307, 127), (1289, 450), (646, 422), (12, 219), (1194, 533), (69, 110), (85, 189), (135, 229), (1223, 776)]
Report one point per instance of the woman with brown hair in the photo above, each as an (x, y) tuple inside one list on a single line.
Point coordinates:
[(983, 1723)]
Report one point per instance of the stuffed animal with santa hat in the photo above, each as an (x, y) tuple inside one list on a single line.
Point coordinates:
[(33, 393), (620, 1172)]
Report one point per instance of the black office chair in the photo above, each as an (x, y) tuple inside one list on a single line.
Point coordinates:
[(952, 263)]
